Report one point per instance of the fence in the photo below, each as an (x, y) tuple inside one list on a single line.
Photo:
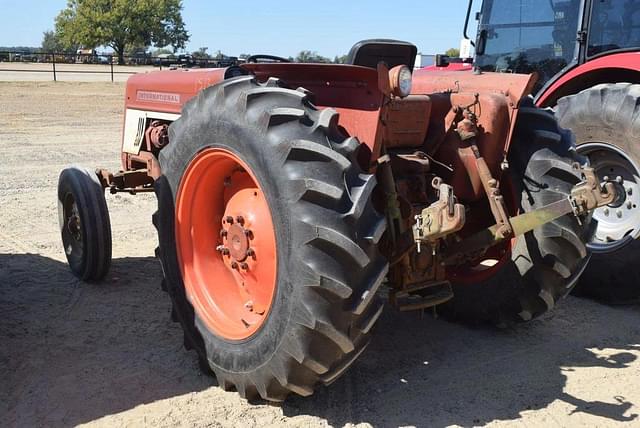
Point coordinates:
[(60, 63)]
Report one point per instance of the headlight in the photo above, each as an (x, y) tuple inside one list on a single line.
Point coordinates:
[(400, 80)]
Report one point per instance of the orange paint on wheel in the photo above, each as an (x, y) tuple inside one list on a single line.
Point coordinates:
[(226, 244)]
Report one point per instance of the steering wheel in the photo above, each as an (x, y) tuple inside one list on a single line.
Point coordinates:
[(270, 58)]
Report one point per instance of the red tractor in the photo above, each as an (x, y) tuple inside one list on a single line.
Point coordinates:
[(587, 56), (289, 193)]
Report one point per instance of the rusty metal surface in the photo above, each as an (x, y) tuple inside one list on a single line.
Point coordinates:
[(168, 91), (440, 219), (513, 86), (585, 197), (590, 194), (406, 121), (444, 141), (157, 135)]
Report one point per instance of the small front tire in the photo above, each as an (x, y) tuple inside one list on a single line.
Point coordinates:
[(84, 222)]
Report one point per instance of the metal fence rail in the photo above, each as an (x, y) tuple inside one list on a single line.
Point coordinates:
[(59, 60)]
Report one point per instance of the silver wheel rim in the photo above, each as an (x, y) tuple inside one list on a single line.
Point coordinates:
[(621, 219)]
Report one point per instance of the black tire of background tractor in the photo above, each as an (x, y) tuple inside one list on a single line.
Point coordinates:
[(90, 258), (545, 263), (608, 113), (329, 266)]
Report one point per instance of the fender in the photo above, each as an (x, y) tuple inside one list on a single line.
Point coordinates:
[(619, 67)]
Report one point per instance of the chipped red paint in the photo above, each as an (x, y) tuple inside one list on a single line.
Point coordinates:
[(168, 91)]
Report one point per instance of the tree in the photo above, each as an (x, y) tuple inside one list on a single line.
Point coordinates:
[(200, 53), (453, 53), (120, 24), (311, 56), (51, 43), (341, 59)]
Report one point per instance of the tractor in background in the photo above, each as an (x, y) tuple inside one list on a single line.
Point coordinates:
[(586, 54), (289, 193)]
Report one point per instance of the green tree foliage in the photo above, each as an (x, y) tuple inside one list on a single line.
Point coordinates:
[(200, 53), (311, 56), (120, 24), (340, 59), (51, 43), (453, 53)]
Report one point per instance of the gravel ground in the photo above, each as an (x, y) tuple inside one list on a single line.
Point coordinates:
[(108, 355)]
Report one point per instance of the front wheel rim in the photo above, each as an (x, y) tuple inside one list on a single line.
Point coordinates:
[(621, 219), (226, 244)]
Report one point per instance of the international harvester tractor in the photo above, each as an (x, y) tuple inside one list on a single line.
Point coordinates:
[(288, 194)]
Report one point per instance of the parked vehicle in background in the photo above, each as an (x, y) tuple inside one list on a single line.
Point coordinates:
[(587, 56)]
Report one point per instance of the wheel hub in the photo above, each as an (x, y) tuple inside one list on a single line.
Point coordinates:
[(226, 244), (236, 240), (621, 218)]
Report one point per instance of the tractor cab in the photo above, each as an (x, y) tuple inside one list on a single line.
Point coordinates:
[(550, 37)]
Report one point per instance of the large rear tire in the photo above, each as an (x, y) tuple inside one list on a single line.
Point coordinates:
[(541, 266), (326, 262), (606, 122)]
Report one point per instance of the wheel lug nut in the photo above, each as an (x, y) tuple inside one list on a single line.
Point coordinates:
[(629, 205), (249, 305), (619, 213), (248, 234), (229, 219), (605, 178), (606, 211), (234, 265), (223, 233), (251, 252), (244, 266), (619, 180), (240, 220), (630, 191)]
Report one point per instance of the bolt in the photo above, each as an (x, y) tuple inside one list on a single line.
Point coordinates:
[(249, 305), (619, 180), (606, 211), (244, 266), (251, 252), (492, 183), (224, 250), (234, 265), (630, 191), (619, 213), (240, 220), (229, 219)]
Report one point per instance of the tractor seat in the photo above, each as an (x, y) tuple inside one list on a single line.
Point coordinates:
[(368, 53)]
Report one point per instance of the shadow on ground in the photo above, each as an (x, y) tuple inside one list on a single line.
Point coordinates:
[(433, 373), (73, 352)]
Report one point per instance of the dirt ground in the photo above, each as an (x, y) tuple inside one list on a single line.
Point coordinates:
[(108, 354)]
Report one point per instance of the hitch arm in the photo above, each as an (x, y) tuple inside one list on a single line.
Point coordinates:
[(585, 197)]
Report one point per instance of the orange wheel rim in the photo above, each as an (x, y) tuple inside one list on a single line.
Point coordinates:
[(226, 244)]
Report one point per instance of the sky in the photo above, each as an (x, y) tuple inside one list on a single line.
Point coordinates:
[(283, 27)]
